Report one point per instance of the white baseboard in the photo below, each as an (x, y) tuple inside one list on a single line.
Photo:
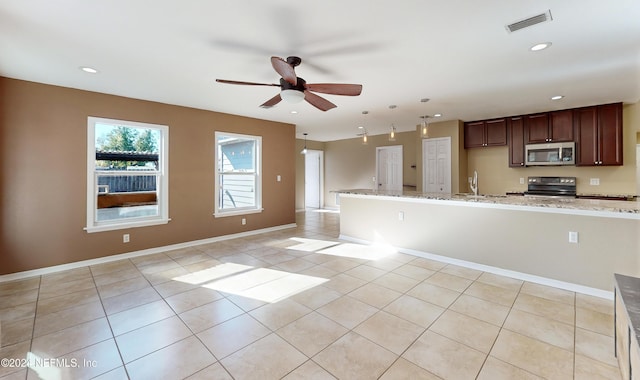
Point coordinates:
[(499, 271), (128, 255)]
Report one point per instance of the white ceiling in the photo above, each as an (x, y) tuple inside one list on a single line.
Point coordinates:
[(455, 52)]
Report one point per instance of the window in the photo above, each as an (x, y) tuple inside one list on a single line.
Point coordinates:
[(127, 174), (238, 182)]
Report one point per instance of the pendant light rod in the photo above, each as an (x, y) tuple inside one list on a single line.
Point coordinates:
[(392, 132), (365, 138), (304, 150), (424, 125)]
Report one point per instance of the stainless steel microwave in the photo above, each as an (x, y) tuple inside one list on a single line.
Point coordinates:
[(563, 153)]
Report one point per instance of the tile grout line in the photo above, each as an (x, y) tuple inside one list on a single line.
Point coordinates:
[(109, 324), (500, 330)]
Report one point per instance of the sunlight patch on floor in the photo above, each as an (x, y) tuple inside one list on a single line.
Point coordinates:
[(311, 245), (325, 211), (279, 289), (213, 273), (263, 284), (46, 368), (359, 251)]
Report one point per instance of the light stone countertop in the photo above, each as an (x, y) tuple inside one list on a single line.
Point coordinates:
[(629, 288), (595, 207)]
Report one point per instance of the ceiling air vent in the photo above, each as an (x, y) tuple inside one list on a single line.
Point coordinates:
[(537, 19)]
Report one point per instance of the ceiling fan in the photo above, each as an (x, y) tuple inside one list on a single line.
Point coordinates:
[(294, 89)]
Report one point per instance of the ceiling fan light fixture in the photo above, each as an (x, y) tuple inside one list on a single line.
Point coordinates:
[(292, 96)]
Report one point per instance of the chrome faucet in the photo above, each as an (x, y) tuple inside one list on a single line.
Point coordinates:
[(473, 183)]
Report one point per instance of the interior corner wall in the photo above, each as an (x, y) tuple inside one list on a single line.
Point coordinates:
[(351, 165), (43, 137)]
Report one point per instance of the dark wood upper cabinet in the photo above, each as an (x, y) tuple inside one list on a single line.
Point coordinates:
[(561, 126), (536, 128), (474, 134), (496, 132), (515, 135), (545, 127), (610, 133), (586, 130), (485, 133), (598, 135)]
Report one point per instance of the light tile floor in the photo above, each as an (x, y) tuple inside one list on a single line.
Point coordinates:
[(206, 313)]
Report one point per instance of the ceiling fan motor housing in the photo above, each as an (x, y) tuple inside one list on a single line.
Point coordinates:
[(294, 61), (300, 86)]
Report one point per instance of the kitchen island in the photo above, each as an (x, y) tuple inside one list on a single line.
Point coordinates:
[(523, 237)]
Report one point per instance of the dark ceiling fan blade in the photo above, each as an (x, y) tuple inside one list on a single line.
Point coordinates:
[(318, 101), (284, 69), (246, 83), (336, 88), (271, 102)]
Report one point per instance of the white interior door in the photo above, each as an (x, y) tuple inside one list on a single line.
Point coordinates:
[(436, 165), (312, 179), (389, 167)]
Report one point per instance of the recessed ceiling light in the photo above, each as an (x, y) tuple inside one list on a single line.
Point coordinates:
[(437, 115), (89, 70), (360, 127), (294, 112), (557, 97), (540, 46)]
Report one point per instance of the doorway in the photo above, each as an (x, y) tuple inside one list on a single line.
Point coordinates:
[(389, 168), (436, 165), (313, 179)]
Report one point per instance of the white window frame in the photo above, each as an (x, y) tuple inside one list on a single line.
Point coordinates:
[(162, 179), (258, 178)]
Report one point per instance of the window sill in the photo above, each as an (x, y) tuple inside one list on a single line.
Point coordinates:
[(122, 226), (235, 213)]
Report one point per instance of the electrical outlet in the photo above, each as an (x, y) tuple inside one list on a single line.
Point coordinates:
[(573, 237), (244, 221), (469, 179), (594, 181), (401, 216), (125, 238), (521, 181), (278, 178)]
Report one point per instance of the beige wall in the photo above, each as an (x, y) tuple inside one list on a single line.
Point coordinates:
[(496, 177), (43, 137), (349, 164), (453, 129), (529, 242)]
